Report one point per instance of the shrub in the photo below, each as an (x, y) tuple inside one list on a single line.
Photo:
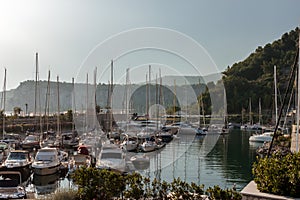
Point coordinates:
[(103, 184), (278, 175)]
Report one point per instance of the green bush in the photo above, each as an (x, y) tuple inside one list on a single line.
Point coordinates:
[(278, 175), (103, 184)]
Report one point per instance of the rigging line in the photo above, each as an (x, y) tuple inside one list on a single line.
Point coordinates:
[(284, 101)]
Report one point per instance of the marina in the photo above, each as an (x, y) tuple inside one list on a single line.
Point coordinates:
[(188, 157)]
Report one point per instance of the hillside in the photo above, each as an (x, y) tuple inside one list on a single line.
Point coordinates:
[(253, 77), (25, 94)]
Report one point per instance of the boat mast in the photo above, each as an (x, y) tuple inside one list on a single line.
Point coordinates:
[(259, 112), (47, 104), (147, 98), (74, 106), (126, 95), (95, 97), (4, 98), (174, 101), (36, 87), (275, 92), (58, 109), (225, 110), (110, 94), (86, 103), (250, 112)]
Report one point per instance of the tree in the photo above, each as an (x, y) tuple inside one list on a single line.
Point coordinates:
[(69, 115), (17, 111), (172, 110), (98, 109)]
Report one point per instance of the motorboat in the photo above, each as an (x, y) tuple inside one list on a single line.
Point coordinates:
[(201, 131), (11, 185), (18, 160), (4, 151), (130, 143), (264, 137), (79, 160), (166, 136), (111, 157), (46, 162), (140, 162), (69, 140), (148, 146), (30, 142), (184, 128), (12, 139)]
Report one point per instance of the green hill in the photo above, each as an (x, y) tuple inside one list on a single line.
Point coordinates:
[(254, 77)]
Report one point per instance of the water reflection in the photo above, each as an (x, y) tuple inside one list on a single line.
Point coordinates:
[(45, 184), (228, 163)]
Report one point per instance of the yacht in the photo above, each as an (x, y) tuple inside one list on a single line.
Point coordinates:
[(30, 142), (18, 160), (130, 143), (111, 157), (11, 186), (264, 137), (47, 161)]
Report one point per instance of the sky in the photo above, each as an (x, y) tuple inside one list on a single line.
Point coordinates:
[(194, 37)]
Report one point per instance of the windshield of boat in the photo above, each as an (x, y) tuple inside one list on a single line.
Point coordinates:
[(111, 155), (9, 183), (16, 156), (31, 138), (45, 157)]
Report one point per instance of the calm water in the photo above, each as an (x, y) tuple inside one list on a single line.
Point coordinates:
[(219, 160), (229, 161)]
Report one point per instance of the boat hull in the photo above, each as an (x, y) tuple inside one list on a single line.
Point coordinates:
[(24, 170), (47, 170)]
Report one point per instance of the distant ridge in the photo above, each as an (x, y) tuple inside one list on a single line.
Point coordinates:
[(190, 80)]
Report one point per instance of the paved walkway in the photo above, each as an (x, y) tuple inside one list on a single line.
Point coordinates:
[(293, 141)]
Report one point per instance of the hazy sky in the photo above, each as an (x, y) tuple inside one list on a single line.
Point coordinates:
[(66, 34)]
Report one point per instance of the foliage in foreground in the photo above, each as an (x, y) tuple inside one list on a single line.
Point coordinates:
[(278, 175), (63, 195), (103, 184)]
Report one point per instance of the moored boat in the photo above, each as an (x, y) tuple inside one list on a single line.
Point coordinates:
[(30, 142), (264, 137), (18, 160), (11, 185), (47, 161), (111, 157)]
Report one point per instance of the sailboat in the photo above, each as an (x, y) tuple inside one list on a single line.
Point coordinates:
[(130, 140)]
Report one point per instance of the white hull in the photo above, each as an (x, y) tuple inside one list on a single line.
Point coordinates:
[(148, 146), (46, 161), (265, 137), (111, 157), (45, 169)]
